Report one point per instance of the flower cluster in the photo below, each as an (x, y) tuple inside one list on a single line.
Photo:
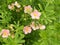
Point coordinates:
[(34, 14), (33, 26), (13, 5)]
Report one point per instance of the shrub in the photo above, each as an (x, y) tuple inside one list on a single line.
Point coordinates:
[(29, 22)]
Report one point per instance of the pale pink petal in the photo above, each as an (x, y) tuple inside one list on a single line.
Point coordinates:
[(28, 9), (33, 17), (9, 7), (42, 27), (37, 17), (5, 33), (26, 32), (17, 4), (35, 14), (27, 29), (34, 27), (30, 30), (4, 36)]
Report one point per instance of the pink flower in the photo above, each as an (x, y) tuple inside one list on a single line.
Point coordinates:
[(35, 14), (5, 33), (17, 4), (42, 27), (34, 27), (11, 7), (27, 29), (28, 9)]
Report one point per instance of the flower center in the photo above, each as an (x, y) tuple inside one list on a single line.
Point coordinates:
[(26, 29), (4, 33), (35, 15)]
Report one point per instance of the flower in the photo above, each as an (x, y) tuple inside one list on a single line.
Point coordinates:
[(28, 9), (35, 14), (17, 4), (11, 7), (42, 27), (27, 29), (34, 27), (5, 33)]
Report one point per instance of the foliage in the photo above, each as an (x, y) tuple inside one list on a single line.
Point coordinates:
[(50, 16)]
